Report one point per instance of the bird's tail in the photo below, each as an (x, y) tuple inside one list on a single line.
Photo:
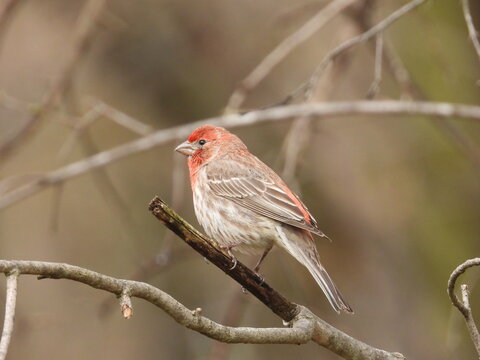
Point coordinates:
[(300, 244)]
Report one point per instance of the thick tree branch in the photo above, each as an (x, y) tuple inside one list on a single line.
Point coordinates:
[(464, 305), (10, 303), (314, 110)]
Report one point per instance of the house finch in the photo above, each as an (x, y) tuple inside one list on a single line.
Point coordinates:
[(244, 205)]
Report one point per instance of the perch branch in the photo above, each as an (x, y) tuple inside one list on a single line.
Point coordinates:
[(314, 110), (323, 334), (10, 303), (464, 305)]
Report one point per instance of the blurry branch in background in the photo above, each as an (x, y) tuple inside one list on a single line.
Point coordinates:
[(10, 304), (314, 110), (11, 103), (332, 55), (6, 10), (325, 75), (97, 111), (377, 73), (282, 50), (298, 137), (86, 24), (472, 32), (80, 133), (464, 305), (409, 90)]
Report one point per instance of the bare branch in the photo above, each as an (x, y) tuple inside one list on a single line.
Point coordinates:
[(325, 334), (300, 332), (10, 303), (377, 76), (378, 28), (126, 304), (283, 49), (464, 305), (305, 326), (322, 110), (472, 32), (83, 34)]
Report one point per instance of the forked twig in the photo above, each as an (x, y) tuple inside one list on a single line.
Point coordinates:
[(463, 305)]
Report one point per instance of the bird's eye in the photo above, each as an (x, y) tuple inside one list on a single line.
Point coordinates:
[(202, 142)]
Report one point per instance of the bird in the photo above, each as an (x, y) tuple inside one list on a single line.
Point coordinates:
[(245, 206)]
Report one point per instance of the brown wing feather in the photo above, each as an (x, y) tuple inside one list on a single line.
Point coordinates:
[(251, 189)]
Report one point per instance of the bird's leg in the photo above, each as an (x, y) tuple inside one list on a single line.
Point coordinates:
[(229, 248), (264, 255)]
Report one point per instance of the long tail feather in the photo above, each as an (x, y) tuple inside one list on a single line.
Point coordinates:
[(300, 244)]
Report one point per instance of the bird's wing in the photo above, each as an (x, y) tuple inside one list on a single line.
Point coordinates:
[(253, 190)]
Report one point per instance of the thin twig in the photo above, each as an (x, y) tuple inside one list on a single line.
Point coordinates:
[(408, 90), (314, 110), (126, 304), (472, 32), (464, 305), (377, 75), (295, 144), (98, 110), (82, 39), (10, 304), (373, 31), (282, 50)]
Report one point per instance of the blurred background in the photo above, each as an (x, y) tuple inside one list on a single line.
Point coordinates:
[(399, 196)]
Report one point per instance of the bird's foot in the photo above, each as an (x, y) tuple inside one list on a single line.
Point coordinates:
[(229, 248)]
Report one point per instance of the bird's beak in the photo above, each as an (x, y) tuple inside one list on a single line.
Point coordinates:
[(185, 148)]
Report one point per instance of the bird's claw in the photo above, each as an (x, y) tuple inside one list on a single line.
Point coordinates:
[(234, 260), (229, 252)]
